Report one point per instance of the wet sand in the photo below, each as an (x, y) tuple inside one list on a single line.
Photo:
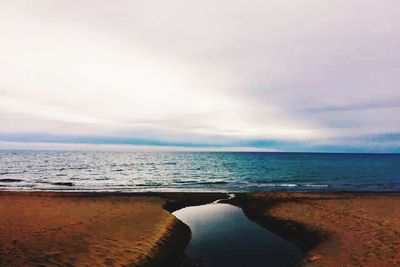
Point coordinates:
[(344, 229), (100, 229)]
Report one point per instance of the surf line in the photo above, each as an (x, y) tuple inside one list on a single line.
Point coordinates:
[(230, 196)]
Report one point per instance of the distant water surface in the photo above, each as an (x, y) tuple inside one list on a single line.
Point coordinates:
[(197, 171)]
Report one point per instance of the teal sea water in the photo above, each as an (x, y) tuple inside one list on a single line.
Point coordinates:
[(197, 171)]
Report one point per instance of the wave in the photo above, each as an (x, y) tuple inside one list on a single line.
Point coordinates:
[(192, 182), (213, 182), (101, 178), (316, 185), (292, 181), (12, 172), (63, 183), (294, 185), (10, 180), (149, 184), (76, 168), (185, 181), (282, 185)]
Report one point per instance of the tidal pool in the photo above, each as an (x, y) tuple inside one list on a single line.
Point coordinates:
[(222, 235)]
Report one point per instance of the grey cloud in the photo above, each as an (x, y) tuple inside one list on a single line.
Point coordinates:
[(331, 67), (356, 106)]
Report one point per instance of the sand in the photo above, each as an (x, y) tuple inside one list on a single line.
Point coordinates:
[(80, 229), (68, 230), (353, 229)]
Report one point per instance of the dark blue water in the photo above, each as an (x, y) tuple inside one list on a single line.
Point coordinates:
[(223, 236), (203, 171)]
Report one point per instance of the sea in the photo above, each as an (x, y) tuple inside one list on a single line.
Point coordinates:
[(197, 171)]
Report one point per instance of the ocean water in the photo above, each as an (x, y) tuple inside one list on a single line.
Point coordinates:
[(197, 171)]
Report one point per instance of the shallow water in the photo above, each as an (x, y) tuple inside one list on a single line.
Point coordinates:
[(188, 171), (223, 236)]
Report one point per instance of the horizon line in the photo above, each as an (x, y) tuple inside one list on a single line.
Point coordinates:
[(58, 146)]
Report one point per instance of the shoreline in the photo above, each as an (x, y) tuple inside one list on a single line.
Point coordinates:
[(316, 222)]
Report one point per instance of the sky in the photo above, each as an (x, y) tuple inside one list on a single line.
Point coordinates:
[(305, 75)]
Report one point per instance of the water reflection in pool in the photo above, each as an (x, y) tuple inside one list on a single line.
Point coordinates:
[(223, 236)]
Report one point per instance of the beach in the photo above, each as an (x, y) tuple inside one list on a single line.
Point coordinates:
[(132, 229), (77, 229), (342, 229)]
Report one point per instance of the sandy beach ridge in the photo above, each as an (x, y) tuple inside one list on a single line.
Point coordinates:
[(138, 229)]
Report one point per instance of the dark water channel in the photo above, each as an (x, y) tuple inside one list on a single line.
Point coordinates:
[(222, 235)]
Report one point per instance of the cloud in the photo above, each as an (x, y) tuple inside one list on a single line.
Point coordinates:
[(388, 104), (122, 147), (209, 72)]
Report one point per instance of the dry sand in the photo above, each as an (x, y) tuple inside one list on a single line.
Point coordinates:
[(78, 229), (361, 229), (70, 230)]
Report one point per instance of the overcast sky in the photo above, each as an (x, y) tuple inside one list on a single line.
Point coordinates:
[(304, 75)]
